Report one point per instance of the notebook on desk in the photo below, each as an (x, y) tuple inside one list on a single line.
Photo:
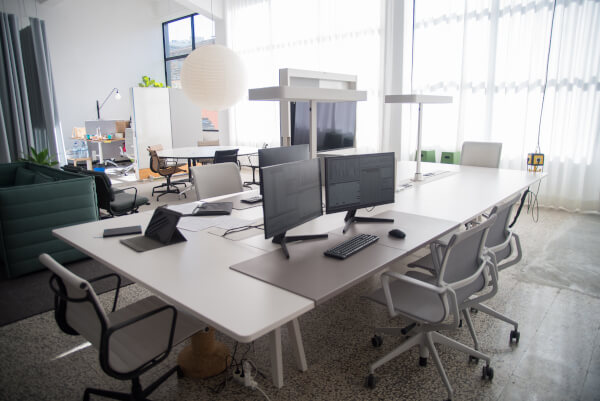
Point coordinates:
[(213, 209), (161, 231)]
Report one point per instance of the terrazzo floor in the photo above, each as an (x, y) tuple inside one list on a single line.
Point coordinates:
[(553, 294)]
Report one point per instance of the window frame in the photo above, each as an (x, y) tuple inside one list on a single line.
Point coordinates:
[(182, 56)]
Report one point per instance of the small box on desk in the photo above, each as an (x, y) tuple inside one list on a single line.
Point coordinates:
[(450, 157), (427, 156)]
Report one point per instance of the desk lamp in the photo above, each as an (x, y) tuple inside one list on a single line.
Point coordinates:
[(99, 106), (420, 99)]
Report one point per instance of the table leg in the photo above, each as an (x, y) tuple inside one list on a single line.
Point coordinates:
[(100, 154), (276, 361), (297, 346)]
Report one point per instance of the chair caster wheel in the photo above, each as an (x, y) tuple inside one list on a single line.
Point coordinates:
[(474, 311), (515, 336), (473, 359), (460, 323), (376, 341), (370, 383), (179, 372), (422, 361), (487, 373)]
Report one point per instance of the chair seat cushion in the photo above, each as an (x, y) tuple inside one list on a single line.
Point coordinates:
[(412, 301), (136, 344), (124, 200)]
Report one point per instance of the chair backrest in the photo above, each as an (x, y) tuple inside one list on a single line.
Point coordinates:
[(157, 164), (104, 192), (77, 308), (481, 154), (225, 156), (499, 231), (216, 180), (463, 257)]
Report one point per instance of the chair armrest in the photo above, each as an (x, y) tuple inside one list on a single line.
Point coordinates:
[(134, 194), (109, 275), (385, 283)]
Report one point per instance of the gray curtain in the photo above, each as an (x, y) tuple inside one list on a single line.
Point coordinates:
[(47, 131), (16, 133), (29, 114)]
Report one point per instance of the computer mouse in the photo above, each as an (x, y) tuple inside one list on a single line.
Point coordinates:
[(396, 233)]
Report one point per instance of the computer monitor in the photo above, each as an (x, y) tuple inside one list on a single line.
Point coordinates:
[(285, 154), (292, 196), (359, 181)]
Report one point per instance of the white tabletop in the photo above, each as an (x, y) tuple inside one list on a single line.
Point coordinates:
[(195, 275), (202, 152)]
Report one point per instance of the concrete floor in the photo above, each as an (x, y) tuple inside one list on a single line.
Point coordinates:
[(553, 293)]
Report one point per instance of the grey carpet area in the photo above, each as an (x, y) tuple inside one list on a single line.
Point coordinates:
[(558, 357), (28, 295)]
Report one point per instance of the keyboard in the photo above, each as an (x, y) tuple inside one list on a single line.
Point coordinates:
[(351, 246)]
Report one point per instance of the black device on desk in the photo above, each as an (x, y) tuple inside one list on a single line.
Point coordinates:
[(359, 181), (252, 200), (285, 154), (114, 232), (161, 231), (292, 196), (213, 209)]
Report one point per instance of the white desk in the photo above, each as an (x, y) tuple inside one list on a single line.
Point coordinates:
[(195, 275)]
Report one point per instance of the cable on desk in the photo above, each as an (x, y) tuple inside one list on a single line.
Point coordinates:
[(241, 228)]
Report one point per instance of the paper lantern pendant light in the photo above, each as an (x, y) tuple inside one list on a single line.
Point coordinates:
[(213, 77)]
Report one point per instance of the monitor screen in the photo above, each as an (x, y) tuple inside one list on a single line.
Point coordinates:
[(354, 182), (292, 195), (285, 154), (336, 124)]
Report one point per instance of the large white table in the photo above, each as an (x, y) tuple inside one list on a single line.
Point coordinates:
[(195, 275)]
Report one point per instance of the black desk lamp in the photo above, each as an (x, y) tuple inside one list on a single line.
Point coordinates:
[(99, 106)]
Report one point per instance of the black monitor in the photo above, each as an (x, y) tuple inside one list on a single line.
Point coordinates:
[(292, 196), (359, 181), (336, 124), (285, 154)]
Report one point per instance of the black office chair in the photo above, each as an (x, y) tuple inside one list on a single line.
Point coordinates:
[(130, 340), (116, 202), (226, 156), (159, 166)]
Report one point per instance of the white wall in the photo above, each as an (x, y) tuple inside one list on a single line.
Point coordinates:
[(96, 46)]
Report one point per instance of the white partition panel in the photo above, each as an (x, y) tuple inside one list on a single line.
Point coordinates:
[(151, 122)]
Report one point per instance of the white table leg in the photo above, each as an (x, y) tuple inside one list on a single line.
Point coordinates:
[(297, 346), (100, 154), (276, 361)]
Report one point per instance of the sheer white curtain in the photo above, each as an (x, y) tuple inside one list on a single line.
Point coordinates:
[(491, 56), (339, 36)]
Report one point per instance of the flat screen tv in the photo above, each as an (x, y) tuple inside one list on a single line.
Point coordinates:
[(336, 124)]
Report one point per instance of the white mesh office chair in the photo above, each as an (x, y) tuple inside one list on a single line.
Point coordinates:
[(481, 154), (216, 179), (130, 340), (506, 251), (463, 268)]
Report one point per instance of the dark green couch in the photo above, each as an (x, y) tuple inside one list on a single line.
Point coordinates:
[(35, 199)]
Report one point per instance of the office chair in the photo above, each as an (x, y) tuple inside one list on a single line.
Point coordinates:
[(130, 341), (159, 165), (481, 154), (505, 250), (216, 180), (226, 156), (116, 202), (463, 271), (253, 164)]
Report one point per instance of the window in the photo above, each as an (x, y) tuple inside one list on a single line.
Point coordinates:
[(180, 37)]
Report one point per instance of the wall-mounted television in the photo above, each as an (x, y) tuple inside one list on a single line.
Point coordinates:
[(336, 124)]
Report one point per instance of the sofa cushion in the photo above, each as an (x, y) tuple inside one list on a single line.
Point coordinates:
[(24, 176), (41, 178)]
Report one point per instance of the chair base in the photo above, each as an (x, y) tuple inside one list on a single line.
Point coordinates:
[(426, 341), (253, 182), (137, 393), (170, 188)]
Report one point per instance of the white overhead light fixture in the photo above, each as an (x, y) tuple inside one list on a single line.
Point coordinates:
[(213, 77)]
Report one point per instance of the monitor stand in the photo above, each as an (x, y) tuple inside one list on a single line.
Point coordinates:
[(351, 218), (282, 240)]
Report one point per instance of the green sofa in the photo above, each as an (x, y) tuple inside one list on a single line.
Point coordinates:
[(35, 199)]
